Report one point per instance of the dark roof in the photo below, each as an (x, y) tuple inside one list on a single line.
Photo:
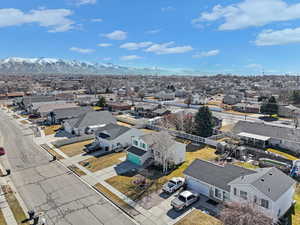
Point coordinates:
[(136, 151), (214, 174), (32, 99), (69, 113), (91, 118), (267, 130), (112, 131), (270, 181)]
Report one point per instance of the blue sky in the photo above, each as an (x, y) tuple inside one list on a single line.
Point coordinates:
[(210, 36)]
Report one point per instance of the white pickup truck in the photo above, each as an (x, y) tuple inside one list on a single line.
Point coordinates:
[(173, 185)]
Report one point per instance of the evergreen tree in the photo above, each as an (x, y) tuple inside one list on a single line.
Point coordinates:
[(295, 97), (204, 122), (101, 102), (270, 107)]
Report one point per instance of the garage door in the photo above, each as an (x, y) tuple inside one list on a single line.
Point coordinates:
[(198, 186), (133, 158)]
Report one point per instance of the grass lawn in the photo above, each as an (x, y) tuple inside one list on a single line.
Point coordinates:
[(97, 108), (285, 155), (24, 122), (227, 127), (75, 149), (246, 165), (2, 219), (296, 217), (197, 217), (51, 129), (147, 130), (99, 163), (76, 170), (115, 199), (14, 205), (124, 124), (125, 183)]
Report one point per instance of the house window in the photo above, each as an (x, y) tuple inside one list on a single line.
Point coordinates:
[(264, 203), (255, 199), (218, 193), (136, 143), (243, 195), (234, 191)]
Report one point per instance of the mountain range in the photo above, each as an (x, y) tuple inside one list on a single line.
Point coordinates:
[(15, 65)]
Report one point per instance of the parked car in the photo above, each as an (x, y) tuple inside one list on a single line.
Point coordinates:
[(184, 199), (2, 151), (173, 185), (92, 147)]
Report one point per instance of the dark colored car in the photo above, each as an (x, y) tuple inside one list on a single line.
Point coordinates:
[(2, 151)]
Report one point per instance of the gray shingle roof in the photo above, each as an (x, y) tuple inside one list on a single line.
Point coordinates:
[(112, 130), (136, 151), (270, 181), (267, 130), (214, 174), (69, 113), (91, 118)]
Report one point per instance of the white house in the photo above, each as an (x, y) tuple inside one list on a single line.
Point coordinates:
[(114, 136), (269, 188), (158, 147), (88, 122), (198, 99)]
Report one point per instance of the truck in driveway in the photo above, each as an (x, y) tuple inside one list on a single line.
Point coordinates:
[(184, 199), (173, 185)]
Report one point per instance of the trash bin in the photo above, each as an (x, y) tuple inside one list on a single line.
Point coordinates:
[(7, 172), (31, 214)]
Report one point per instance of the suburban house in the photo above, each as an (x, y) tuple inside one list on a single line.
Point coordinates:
[(231, 99), (145, 110), (44, 108), (288, 111), (57, 116), (113, 136), (198, 99), (157, 147), (247, 108), (88, 122), (165, 96), (265, 135), (269, 188), (118, 106)]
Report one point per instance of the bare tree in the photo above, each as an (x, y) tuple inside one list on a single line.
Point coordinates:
[(189, 100), (162, 142), (141, 95), (244, 214)]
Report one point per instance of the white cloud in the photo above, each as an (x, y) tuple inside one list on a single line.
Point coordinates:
[(166, 48), (167, 9), (116, 35), (250, 13), (278, 37), (156, 31), (254, 66), (54, 19), (97, 20), (207, 54), (104, 45), (106, 58), (135, 46), (85, 2), (130, 57), (82, 50)]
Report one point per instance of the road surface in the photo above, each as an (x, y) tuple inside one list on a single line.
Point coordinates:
[(49, 187)]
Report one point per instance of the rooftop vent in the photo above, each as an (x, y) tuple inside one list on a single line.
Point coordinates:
[(269, 189), (262, 179), (270, 173)]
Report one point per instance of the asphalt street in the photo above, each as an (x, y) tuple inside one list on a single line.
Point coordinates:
[(49, 187)]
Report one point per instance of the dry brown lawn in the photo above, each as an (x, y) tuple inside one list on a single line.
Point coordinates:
[(2, 219), (197, 217), (24, 122), (76, 170), (124, 124), (51, 129), (75, 149), (99, 163), (115, 199), (14, 205)]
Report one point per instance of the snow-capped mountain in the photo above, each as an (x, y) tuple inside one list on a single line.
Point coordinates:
[(16, 65)]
